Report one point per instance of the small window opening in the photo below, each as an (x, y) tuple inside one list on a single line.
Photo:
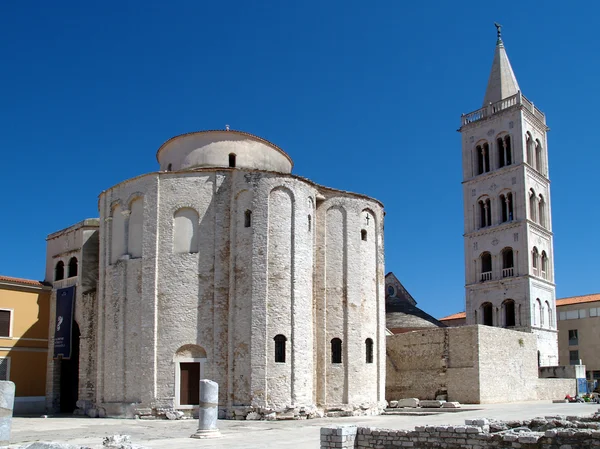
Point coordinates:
[(280, 348), (73, 267), (232, 160), (59, 271), (4, 323), (369, 350), (486, 267), (501, 154), (170, 167), (363, 235), (508, 150), (248, 218), (309, 223), (509, 313), (336, 350), (488, 314)]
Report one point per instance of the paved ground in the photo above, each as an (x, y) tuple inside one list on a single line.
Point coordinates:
[(260, 434)]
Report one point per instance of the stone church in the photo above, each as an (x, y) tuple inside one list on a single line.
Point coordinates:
[(220, 265)]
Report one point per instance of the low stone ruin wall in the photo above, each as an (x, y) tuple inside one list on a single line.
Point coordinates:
[(551, 432)]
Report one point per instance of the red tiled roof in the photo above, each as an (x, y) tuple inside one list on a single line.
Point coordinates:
[(456, 316), (578, 299), (21, 281)]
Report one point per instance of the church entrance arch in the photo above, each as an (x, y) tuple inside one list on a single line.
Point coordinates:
[(189, 369)]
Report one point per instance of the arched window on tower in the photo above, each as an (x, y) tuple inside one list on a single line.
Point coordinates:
[(532, 205), (504, 151), (486, 267), (336, 350), (538, 156), (507, 263), (72, 267), (509, 313), (540, 310), (549, 314), (59, 271), (485, 212), (506, 204), (487, 311), (529, 147), (280, 348), (542, 211), (369, 350), (544, 265), (534, 260), (508, 150), (483, 158)]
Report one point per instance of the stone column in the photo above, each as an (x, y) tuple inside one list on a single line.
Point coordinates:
[(7, 401), (208, 410)]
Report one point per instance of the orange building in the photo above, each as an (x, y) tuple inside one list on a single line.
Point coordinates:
[(24, 314)]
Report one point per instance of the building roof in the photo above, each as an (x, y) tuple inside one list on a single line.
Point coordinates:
[(21, 281), (455, 316), (502, 82), (578, 299)]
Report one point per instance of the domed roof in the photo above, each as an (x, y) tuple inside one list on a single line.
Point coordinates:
[(222, 148)]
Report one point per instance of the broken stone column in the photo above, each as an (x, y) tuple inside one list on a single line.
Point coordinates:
[(7, 401), (208, 410)]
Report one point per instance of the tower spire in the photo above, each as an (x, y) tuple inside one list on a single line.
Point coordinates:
[(502, 82)]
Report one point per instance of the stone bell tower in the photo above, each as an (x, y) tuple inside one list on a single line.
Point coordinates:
[(509, 269)]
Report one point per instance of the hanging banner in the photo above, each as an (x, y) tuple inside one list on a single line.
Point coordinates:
[(65, 301)]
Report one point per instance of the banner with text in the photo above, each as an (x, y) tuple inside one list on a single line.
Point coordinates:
[(65, 301)]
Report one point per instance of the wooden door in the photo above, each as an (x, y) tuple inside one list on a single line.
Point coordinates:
[(189, 391)]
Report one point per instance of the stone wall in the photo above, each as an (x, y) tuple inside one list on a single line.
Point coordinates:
[(471, 364), (540, 433)]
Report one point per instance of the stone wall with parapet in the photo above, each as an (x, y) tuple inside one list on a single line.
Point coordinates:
[(470, 364), (550, 432)]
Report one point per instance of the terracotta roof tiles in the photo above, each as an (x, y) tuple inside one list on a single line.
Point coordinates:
[(21, 281), (578, 299), (455, 316)]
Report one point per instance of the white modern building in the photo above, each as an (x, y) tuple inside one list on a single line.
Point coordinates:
[(508, 227), (224, 265)]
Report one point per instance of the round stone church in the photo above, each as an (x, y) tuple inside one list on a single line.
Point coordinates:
[(223, 265)]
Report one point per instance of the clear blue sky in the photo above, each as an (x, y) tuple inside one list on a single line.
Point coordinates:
[(364, 96)]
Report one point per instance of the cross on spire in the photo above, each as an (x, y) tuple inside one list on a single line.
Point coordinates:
[(499, 31)]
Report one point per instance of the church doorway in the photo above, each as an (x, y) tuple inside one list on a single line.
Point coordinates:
[(189, 369), (69, 375)]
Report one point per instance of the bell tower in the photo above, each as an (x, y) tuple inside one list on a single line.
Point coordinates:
[(509, 269)]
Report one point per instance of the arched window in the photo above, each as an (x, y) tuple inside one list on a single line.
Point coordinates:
[(544, 265), (507, 263), (369, 350), (169, 167), (529, 146), (532, 205), (486, 267), (185, 231), (485, 212), (538, 156), (508, 150), (118, 245), (488, 313), (509, 313), (504, 151), (280, 348), (336, 350), (72, 267), (248, 218), (59, 271), (540, 311), (506, 205), (549, 314), (232, 160), (542, 211), (136, 219), (363, 235), (534, 260), (483, 158)]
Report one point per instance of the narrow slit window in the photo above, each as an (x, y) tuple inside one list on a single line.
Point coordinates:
[(363, 235), (280, 348), (169, 167), (232, 160), (309, 223), (369, 350), (248, 218), (336, 350)]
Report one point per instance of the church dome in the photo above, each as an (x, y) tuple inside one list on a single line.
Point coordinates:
[(222, 148)]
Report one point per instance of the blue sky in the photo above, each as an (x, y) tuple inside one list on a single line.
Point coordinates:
[(364, 96)]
